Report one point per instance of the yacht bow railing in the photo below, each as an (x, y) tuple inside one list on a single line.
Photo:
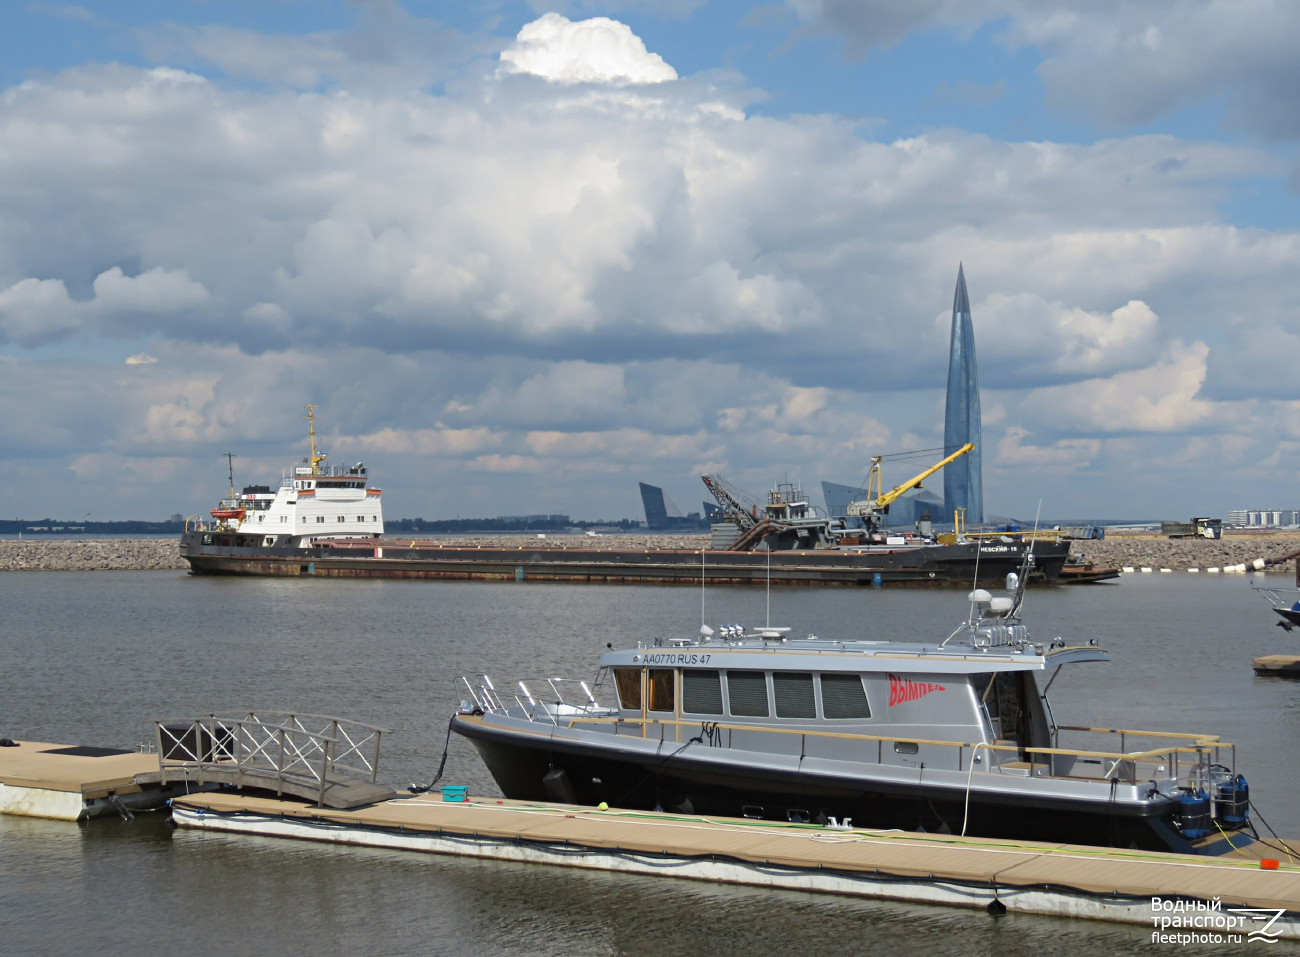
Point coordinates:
[(538, 699)]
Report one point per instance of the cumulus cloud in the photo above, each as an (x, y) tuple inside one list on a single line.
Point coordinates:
[(599, 50), (1035, 340), (642, 227), (584, 273), (1119, 63), (388, 48), (39, 311), (1161, 398), (1014, 452)]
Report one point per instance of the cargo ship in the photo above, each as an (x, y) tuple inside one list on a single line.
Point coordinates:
[(326, 520)]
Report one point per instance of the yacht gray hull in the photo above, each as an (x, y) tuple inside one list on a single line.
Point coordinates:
[(684, 782)]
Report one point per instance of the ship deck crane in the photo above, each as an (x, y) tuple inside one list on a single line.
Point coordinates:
[(872, 507), (729, 497)]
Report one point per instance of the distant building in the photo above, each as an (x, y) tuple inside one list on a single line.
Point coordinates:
[(662, 514), (838, 498), (911, 508), (963, 480), (1264, 518)]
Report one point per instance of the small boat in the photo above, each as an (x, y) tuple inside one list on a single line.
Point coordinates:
[(1290, 614), (955, 735), (1083, 572)]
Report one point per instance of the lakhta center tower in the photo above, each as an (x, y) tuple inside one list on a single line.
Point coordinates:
[(963, 482)]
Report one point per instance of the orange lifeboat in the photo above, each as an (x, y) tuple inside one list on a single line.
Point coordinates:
[(228, 513)]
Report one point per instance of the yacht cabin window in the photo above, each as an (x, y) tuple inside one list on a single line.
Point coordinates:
[(701, 691), (794, 694), (628, 681), (748, 693), (843, 697), (661, 688)]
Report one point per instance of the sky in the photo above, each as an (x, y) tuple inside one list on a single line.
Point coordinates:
[(523, 255)]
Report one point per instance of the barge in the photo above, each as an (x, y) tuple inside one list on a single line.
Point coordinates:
[(327, 521)]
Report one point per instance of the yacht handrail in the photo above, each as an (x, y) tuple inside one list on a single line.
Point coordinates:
[(1199, 745), (1208, 738)]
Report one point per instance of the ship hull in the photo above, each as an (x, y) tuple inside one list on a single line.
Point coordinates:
[(519, 763), (231, 554)]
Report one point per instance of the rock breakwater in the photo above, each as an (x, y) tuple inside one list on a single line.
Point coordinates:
[(90, 554), (1183, 553)]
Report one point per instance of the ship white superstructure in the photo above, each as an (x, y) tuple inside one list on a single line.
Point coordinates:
[(316, 501)]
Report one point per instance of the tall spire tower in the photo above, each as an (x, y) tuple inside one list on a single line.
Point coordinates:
[(963, 480)]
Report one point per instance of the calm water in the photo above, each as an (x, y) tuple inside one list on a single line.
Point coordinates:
[(90, 658)]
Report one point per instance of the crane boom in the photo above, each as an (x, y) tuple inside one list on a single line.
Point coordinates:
[(872, 506), (735, 512)]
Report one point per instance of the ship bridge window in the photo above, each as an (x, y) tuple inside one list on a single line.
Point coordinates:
[(661, 688), (628, 681), (701, 691), (843, 697), (794, 694), (748, 693)]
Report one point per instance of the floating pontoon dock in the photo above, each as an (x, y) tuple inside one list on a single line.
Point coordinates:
[(1277, 666), (69, 783), (313, 778), (1028, 877)]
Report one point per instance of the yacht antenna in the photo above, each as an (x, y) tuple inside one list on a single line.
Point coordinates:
[(769, 584), (702, 622), (1024, 565)]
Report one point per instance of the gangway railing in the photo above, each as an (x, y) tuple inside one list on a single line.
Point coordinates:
[(308, 755)]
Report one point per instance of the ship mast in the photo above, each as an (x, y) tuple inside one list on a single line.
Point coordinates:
[(311, 428), (230, 468)]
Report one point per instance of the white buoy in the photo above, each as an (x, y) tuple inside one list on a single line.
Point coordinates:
[(1212, 571), (1127, 569), (1193, 571), (1145, 570), (1166, 571)]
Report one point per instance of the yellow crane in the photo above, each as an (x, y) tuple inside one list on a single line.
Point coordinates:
[(873, 506)]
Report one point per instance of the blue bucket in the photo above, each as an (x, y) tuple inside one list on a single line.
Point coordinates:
[(455, 793)]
